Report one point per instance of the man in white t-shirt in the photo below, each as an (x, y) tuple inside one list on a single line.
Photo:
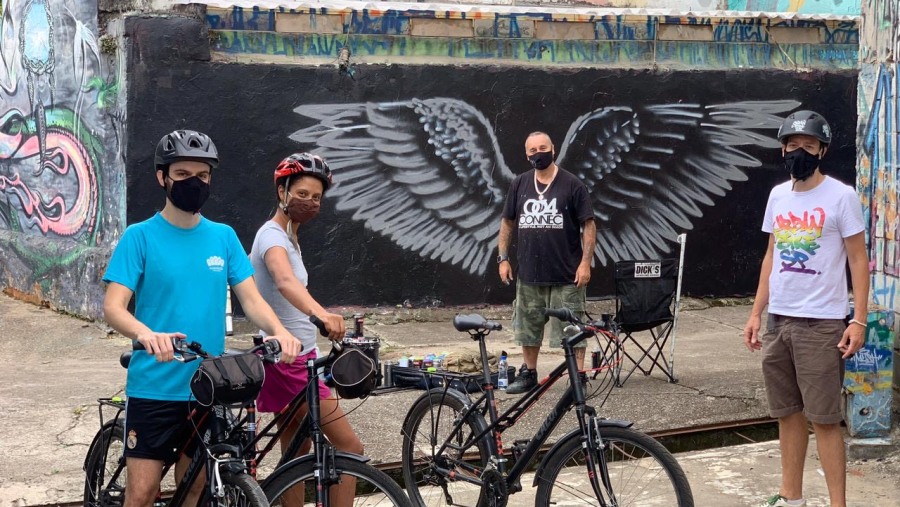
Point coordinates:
[(815, 227)]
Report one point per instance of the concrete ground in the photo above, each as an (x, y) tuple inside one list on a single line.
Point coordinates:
[(57, 366)]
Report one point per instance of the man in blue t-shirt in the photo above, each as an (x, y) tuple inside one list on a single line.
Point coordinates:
[(177, 265)]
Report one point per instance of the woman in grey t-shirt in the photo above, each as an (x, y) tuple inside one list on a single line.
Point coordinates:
[(301, 181)]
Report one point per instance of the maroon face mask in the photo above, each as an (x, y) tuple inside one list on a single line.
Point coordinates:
[(301, 211)]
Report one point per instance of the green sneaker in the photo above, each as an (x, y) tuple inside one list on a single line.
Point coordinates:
[(780, 501)]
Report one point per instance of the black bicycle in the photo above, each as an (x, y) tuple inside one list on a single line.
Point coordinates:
[(296, 480), (309, 479), (228, 478), (452, 456)]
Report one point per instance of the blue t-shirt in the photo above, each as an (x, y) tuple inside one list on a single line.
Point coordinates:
[(179, 278)]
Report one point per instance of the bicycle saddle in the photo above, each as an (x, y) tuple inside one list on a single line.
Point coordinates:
[(475, 322)]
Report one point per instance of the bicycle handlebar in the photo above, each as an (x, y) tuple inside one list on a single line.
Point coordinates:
[(563, 314), (188, 351), (606, 321)]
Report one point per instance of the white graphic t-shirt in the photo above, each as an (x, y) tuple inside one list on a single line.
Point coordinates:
[(809, 265)]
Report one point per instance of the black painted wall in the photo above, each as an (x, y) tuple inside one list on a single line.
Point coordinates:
[(249, 111)]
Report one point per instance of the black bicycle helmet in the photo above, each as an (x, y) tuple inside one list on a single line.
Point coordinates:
[(186, 145), (809, 123)]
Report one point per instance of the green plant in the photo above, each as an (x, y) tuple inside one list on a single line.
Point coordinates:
[(108, 44)]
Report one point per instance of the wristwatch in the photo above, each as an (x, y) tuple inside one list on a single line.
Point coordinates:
[(501, 258)]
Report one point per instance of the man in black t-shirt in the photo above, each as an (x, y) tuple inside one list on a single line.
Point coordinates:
[(551, 209)]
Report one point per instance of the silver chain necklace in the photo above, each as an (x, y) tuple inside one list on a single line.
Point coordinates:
[(552, 179)]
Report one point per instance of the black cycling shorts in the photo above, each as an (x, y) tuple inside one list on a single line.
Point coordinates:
[(162, 430)]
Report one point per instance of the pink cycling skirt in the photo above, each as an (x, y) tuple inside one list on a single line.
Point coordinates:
[(284, 381)]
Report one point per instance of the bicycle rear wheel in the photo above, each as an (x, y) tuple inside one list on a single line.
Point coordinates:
[(369, 487), (439, 478), (105, 473), (641, 473)]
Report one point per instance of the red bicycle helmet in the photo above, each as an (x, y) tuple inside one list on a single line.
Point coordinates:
[(304, 163)]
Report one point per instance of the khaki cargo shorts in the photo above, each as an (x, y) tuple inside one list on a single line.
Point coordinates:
[(528, 320), (803, 368)]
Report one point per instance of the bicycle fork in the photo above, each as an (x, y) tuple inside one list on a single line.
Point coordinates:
[(595, 460)]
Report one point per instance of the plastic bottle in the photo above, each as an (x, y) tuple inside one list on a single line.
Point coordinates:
[(502, 373)]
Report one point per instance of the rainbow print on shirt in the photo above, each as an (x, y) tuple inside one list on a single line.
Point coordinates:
[(795, 239)]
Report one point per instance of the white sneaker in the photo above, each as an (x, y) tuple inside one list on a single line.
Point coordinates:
[(780, 501)]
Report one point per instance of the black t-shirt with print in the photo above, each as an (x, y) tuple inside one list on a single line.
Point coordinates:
[(548, 249)]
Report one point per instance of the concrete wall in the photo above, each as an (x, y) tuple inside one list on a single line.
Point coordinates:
[(61, 152), (879, 156), (430, 149)]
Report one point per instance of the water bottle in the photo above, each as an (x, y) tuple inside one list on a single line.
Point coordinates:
[(502, 373)]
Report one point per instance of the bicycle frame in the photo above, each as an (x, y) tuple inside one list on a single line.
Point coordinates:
[(221, 442), (309, 428), (573, 396)]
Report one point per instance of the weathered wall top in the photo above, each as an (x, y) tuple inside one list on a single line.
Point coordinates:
[(390, 32), (830, 9)]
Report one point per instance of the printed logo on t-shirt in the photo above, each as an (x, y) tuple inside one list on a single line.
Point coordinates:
[(795, 239), (540, 214), (215, 263)]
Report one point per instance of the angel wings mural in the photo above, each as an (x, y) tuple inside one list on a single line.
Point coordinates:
[(428, 173)]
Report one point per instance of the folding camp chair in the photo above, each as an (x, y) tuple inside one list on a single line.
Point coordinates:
[(648, 296)]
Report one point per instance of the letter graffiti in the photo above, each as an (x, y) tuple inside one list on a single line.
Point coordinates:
[(795, 239)]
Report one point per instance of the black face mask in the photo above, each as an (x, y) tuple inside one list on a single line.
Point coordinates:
[(541, 160), (188, 194), (800, 163)]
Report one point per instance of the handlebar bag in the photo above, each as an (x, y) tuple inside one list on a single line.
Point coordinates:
[(228, 379)]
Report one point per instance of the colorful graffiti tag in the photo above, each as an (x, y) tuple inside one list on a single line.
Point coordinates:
[(868, 379), (57, 143), (878, 164)]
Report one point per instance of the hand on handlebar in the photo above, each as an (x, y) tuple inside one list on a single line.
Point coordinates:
[(334, 323), (160, 344), (290, 347)]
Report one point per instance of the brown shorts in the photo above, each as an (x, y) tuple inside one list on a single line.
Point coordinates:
[(803, 368)]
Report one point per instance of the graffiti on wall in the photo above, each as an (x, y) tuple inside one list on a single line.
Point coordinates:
[(800, 6), (428, 174), (878, 164), (375, 132), (868, 379), (58, 137)]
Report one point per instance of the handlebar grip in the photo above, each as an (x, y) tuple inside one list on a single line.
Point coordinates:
[(319, 324), (563, 314), (179, 344), (272, 347)]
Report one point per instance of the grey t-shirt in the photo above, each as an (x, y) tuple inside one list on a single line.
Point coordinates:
[(272, 235)]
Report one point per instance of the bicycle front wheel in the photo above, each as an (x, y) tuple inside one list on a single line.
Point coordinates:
[(358, 484), (105, 473), (240, 491), (641, 473), (452, 476)]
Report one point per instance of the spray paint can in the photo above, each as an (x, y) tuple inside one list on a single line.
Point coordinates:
[(358, 321)]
